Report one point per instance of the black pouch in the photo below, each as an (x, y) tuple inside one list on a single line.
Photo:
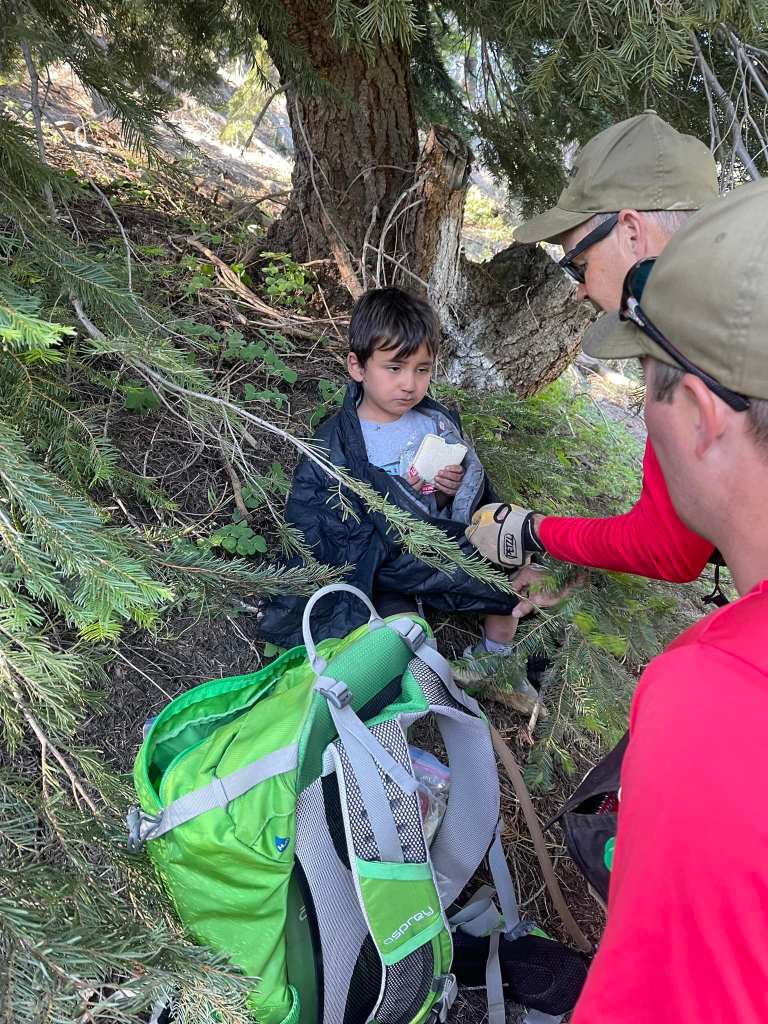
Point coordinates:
[(536, 972), (588, 826)]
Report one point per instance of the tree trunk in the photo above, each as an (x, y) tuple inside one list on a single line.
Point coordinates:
[(389, 215), (516, 324), (356, 141), (511, 321)]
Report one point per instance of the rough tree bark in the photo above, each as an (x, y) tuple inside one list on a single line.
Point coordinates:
[(364, 194), (511, 321), (356, 141), (516, 323)]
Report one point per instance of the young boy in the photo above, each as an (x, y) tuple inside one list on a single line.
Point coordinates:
[(393, 339)]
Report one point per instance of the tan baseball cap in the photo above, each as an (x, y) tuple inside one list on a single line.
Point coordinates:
[(708, 295), (642, 163)]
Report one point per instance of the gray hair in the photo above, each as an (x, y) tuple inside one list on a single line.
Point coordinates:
[(669, 221)]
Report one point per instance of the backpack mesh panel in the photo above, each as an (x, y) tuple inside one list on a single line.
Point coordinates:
[(405, 807), (432, 685), (340, 923), (408, 985), (365, 985)]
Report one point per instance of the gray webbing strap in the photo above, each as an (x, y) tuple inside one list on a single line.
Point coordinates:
[(494, 984), (367, 755), (374, 796), (220, 792), (480, 916), (415, 637), (514, 928), (374, 622), (349, 724), (505, 887)]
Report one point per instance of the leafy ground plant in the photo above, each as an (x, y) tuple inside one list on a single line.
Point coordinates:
[(286, 282)]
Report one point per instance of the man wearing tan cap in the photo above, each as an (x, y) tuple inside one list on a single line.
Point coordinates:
[(687, 930), (632, 187)]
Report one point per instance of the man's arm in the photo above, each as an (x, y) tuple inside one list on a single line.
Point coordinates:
[(687, 918), (650, 540)]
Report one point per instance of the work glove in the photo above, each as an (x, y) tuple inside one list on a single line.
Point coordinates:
[(504, 534)]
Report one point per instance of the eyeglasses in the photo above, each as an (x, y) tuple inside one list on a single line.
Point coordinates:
[(595, 236), (630, 309)]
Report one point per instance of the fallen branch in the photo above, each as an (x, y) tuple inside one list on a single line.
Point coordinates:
[(348, 276), (294, 323), (237, 487), (507, 758)]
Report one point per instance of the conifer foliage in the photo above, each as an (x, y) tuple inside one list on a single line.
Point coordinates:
[(84, 932)]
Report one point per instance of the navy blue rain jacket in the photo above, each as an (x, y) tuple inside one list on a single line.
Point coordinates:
[(364, 540)]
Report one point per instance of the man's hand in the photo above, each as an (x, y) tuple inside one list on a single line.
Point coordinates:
[(448, 480), (528, 583), (504, 534)]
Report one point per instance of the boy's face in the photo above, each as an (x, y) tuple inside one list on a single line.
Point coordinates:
[(392, 384)]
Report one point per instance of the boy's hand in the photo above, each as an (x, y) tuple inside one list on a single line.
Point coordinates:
[(415, 480), (448, 480)]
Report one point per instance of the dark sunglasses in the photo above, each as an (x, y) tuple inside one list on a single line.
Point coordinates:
[(595, 236), (631, 293)]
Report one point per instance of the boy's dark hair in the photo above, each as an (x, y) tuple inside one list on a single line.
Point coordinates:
[(392, 318)]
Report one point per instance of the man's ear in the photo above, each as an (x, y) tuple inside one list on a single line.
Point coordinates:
[(634, 234), (355, 368), (708, 413)]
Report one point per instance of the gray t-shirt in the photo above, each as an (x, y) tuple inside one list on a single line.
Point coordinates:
[(393, 446)]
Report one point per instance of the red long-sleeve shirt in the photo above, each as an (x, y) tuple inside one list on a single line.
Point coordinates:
[(650, 540), (687, 930)]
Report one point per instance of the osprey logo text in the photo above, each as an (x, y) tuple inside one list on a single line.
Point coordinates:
[(398, 933)]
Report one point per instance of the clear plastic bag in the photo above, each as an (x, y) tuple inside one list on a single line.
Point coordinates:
[(434, 780)]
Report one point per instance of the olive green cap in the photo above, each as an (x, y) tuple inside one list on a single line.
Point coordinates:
[(642, 163), (708, 294)]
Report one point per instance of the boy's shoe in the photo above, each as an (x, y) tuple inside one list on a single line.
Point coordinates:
[(478, 664)]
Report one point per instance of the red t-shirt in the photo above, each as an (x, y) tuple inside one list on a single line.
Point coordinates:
[(687, 934), (649, 540)]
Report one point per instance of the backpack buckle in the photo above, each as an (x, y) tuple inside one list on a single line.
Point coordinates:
[(335, 691), (413, 634), (446, 988), (140, 828)]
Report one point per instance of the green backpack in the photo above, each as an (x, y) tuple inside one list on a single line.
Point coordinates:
[(282, 813)]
